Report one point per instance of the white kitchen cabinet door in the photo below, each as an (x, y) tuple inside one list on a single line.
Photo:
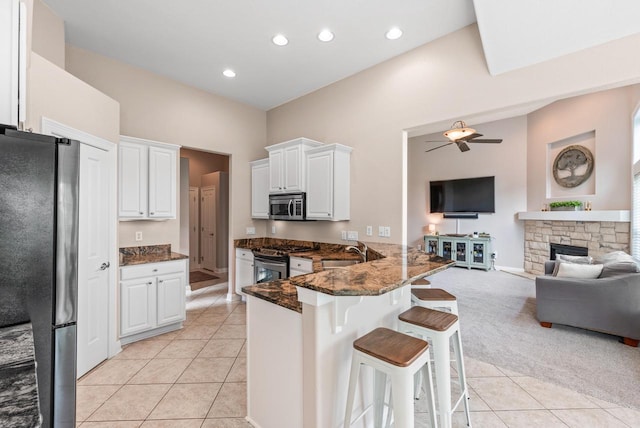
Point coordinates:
[(328, 182), (133, 175), (162, 182), (171, 298), (260, 189), (276, 165), (293, 167), (137, 305), (244, 269), (286, 165), (12, 62), (320, 185)]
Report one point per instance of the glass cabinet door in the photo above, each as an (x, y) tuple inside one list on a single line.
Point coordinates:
[(461, 251), (478, 253), (432, 246), (447, 248)]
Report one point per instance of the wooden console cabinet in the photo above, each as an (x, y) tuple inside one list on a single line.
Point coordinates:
[(467, 251)]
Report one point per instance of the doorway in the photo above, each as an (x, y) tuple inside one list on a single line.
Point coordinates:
[(207, 222)]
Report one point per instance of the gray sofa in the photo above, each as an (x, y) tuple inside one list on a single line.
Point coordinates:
[(609, 305)]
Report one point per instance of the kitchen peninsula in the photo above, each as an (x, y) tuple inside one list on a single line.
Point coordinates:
[(300, 331)]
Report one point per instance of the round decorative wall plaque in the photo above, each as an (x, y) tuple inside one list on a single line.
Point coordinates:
[(573, 166)]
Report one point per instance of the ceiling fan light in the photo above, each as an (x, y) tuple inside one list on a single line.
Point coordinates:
[(458, 130)]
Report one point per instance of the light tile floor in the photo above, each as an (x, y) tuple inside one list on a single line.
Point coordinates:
[(196, 377)]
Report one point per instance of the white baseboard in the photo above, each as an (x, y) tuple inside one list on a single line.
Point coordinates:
[(233, 297), (222, 270), (252, 422), (510, 269)]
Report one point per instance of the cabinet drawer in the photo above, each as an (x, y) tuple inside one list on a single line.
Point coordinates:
[(244, 254), (151, 269), (301, 264)]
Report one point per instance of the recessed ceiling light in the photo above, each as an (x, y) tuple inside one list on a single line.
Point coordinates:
[(280, 40), (394, 33), (325, 35), (229, 73)]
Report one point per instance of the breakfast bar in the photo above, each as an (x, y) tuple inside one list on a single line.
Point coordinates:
[(300, 333)]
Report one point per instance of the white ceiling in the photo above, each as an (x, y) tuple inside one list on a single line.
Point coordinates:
[(193, 41)]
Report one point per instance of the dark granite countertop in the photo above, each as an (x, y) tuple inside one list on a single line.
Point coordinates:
[(130, 256), (18, 387), (394, 266)]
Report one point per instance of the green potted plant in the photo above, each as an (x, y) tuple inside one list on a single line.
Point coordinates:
[(566, 206)]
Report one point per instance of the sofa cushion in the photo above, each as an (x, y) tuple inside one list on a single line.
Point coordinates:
[(580, 271), (564, 258), (617, 263), (582, 260)]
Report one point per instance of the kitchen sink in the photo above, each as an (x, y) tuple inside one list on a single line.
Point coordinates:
[(335, 264)]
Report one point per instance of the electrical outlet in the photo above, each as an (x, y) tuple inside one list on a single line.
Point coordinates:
[(251, 230), (352, 235), (387, 232), (381, 231), (138, 236), (343, 235), (369, 230), (273, 230)]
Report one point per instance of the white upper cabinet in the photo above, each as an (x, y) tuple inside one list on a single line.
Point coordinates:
[(260, 188), (287, 166), (147, 179), (12, 62), (328, 182)]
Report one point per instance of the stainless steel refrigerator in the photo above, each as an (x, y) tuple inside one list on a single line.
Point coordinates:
[(38, 259)]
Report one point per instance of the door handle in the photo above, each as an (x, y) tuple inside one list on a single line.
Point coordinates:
[(105, 265), (289, 207)]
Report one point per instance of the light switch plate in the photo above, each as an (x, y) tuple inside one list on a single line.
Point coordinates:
[(381, 231), (352, 235), (369, 230), (273, 230), (251, 230), (387, 232), (343, 235)]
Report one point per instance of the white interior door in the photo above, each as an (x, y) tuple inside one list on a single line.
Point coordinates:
[(93, 257), (194, 227), (208, 227)]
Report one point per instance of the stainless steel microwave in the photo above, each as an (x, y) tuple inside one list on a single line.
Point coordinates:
[(288, 206)]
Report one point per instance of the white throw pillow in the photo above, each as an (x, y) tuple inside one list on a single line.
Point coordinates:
[(573, 270)]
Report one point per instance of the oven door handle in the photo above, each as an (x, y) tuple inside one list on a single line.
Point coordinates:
[(270, 266), (289, 207)]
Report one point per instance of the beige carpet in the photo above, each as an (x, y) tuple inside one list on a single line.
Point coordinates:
[(499, 326)]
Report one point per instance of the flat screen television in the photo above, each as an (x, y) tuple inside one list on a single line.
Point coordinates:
[(467, 195)]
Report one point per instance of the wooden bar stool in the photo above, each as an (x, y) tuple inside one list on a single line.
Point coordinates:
[(421, 283), (398, 356), (440, 327), (434, 298)]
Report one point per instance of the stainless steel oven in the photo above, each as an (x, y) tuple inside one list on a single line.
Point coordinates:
[(269, 269), (287, 206)]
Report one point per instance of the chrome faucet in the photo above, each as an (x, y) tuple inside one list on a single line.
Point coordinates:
[(363, 253)]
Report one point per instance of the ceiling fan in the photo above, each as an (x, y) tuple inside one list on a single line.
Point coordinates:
[(460, 134)]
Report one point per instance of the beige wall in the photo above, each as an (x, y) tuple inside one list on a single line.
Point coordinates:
[(69, 101), (429, 85), (609, 113), (506, 161), (160, 109), (48, 34)]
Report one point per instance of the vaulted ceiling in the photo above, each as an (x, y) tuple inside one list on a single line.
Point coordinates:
[(194, 41)]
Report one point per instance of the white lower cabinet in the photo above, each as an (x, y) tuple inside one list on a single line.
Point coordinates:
[(152, 299), (300, 266), (244, 269)]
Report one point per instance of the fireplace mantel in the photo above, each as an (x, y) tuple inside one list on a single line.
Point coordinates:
[(603, 215)]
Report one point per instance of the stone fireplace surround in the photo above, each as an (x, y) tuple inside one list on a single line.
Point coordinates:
[(599, 237)]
